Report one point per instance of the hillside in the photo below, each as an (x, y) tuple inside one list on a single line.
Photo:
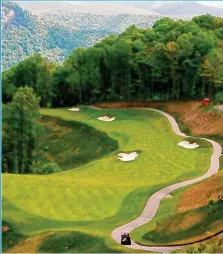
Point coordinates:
[(55, 29), (187, 9)]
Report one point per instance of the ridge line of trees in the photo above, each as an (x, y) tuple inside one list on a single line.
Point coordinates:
[(173, 60)]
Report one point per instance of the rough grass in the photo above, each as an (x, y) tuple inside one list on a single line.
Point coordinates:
[(202, 143), (9, 237), (186, 217), (187, 227), (70, 144), (214, 245), (100, 195), (74, 242)]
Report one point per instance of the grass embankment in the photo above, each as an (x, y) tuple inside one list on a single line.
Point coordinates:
[(63, 242), (214, 245), (186, 217), (70, 143), (100, 195)]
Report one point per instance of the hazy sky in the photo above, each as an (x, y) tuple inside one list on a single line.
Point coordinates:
[(214, 3), (210, 3)]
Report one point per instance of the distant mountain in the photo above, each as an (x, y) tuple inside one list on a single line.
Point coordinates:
[(55, 29), (187, 8), (101, 8)]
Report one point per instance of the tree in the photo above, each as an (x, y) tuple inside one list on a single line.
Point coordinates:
[(77, 71), (21, 131), (212, 70), (172, 55)]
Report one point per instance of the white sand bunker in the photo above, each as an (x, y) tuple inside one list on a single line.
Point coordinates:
[(106, 118), (128, 157), (74, 109), (187, 145)]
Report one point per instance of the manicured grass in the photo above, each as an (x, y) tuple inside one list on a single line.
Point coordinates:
[(70, 144), (100, 195)]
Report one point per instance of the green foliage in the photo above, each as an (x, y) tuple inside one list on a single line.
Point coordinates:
[(214, 202), (20, 130), (214, 245), (49, 168), (219, 97), (74, 242), (9, 237), (174, 60)]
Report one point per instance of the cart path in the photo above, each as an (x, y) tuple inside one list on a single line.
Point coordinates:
[(153, 202), (220, 107)]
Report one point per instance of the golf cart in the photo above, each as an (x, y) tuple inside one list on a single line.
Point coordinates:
[(125, 239)]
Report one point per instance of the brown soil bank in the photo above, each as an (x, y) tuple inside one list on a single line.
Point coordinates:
[(198, 119)]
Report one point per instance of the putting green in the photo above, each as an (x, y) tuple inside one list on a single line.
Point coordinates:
[(107, 192)]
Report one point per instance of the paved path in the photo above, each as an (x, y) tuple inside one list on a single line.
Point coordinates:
[(153, 202), (220, 107)]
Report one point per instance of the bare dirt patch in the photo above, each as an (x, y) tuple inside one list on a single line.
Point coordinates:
[(199, 195)]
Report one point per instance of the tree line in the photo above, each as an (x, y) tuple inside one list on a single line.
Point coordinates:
[(173, 60)]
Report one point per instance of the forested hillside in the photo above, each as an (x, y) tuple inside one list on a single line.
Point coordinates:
[(174, 60), (56, 33)]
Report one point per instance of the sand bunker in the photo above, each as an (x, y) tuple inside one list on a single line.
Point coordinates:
[(128, 157), (106, 118), (187, 145), (74, 109)]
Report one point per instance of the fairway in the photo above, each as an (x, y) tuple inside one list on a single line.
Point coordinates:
[(106, 192)]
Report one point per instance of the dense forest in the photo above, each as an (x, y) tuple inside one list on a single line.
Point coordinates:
[(173, 60)]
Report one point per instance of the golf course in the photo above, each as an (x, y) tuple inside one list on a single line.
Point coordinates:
[(98, 194)]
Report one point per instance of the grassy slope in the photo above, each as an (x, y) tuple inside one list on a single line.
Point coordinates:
[(99, 196), (214, 245), (64, 142), (184, 221)]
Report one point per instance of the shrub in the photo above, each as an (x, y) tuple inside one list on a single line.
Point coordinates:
[(213, 202), (49, 168), (219, 97)]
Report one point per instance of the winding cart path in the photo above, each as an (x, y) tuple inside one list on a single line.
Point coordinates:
[(153, 202)]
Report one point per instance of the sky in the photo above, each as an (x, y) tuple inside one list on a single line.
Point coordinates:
[(208, 3), (214, 3)]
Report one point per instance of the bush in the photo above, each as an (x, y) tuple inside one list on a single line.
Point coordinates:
[(213, 202), (219, 97), (49, 168)]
